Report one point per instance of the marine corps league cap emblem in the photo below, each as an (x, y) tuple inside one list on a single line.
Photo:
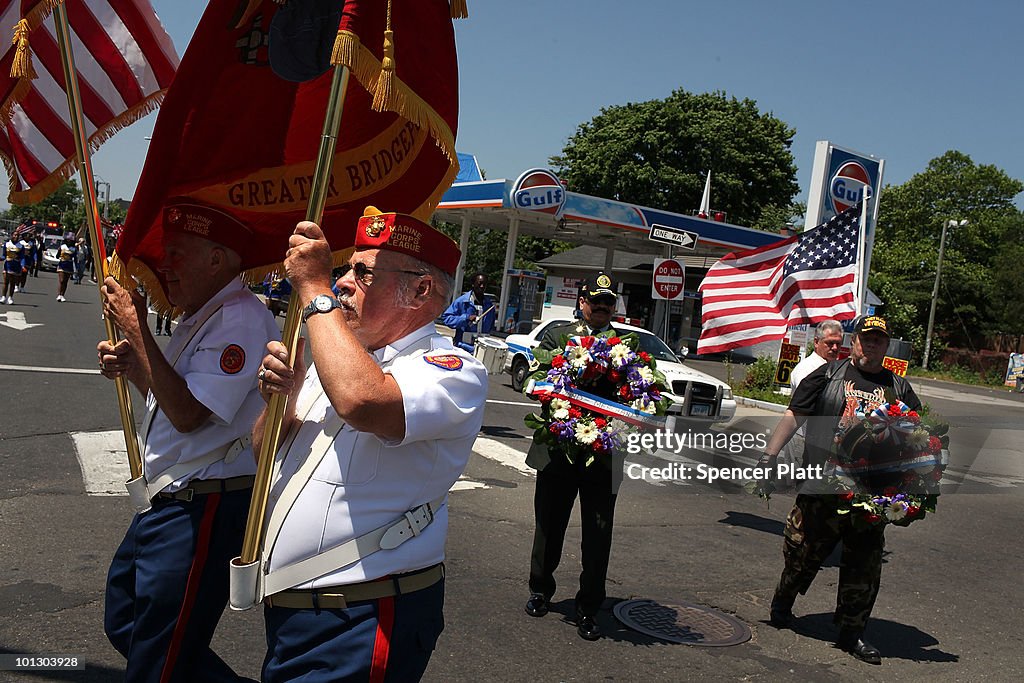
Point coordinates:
[(174, 215), (604, 281), (376, 226), (232, 360)]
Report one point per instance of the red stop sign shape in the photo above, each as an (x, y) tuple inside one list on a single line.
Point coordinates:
[(669, 278)]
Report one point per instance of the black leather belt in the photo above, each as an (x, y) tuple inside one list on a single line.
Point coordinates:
[(339, 597), (204, 487)]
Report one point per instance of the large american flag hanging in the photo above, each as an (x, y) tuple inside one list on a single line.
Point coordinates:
[(125, 62), (753, 296)]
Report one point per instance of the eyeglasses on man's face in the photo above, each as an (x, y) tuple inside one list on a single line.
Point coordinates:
[(365, 274)]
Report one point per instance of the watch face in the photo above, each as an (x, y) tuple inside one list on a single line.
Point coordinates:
[(323, 303)]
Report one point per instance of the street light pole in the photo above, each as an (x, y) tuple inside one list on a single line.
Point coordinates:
[(935, 290)]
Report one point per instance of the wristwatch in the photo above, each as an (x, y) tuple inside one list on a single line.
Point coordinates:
[(321, 303)]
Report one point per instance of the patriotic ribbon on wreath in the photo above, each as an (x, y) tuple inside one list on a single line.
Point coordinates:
[(885, 425), (596, 404), (900, 463)]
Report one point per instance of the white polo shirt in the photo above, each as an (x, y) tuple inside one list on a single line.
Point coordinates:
[(363, 482), (219, 364)]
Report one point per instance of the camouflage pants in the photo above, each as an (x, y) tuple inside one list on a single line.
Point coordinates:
[(812, 531)]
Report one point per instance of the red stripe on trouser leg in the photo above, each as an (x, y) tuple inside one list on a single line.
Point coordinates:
[(195, 576), (382, 644)]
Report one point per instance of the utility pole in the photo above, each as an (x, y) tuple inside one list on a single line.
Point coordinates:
[(935, 290)]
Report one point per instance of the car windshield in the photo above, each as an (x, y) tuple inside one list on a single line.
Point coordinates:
[(657, 348), (52, 241)]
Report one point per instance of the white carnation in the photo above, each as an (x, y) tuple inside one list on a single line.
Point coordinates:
[(586, 432), (646, 374)]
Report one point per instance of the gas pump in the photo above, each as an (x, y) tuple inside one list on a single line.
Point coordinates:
[(525, 298)]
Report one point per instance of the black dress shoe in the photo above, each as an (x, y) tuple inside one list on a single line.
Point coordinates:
[(781, 615), (537, 605), (587, 627), (859, 648)]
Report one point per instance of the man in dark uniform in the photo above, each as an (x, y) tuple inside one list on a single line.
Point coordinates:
[(838, 393), (559, 481)]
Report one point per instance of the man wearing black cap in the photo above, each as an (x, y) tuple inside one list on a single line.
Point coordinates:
[(559, 481), (839, 391)]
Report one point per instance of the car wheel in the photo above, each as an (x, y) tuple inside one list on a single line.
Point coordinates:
[(520, 369)]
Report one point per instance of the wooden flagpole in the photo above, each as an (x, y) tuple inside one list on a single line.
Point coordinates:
[(253, 539), (92, 215)]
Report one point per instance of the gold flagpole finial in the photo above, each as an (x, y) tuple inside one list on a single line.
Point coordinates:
[(459, 9), (21, 66)]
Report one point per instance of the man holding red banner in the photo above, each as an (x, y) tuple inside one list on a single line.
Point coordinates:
[(380, 428), (168, 582)]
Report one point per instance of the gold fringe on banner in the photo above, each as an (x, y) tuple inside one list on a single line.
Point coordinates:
[(459, 9), (384, 96), (21, 66), (46, 187)]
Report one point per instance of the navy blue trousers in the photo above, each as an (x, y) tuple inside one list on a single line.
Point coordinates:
[(375, 641), (168, 585)]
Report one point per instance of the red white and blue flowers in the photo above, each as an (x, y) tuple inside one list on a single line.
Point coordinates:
[(595, 391)]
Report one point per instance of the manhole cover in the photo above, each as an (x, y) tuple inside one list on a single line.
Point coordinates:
[(682, 623)]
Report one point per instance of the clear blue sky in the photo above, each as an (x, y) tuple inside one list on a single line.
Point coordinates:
[(905, 80)]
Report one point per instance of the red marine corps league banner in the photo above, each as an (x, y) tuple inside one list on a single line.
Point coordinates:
[(235, 134)]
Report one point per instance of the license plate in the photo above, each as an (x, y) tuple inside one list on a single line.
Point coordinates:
[(700, 409)]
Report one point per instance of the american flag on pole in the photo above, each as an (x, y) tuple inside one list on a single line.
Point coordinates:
[(125, 62), (753, 296)]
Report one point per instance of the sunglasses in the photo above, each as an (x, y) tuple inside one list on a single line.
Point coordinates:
[(365, 274)]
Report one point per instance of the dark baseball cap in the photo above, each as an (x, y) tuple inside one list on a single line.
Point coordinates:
[(599, 285), (871, 323)]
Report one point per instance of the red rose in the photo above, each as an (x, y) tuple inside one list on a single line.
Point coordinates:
[(575, 413), (598, 446), (558, 361), (846, 495), (601, 423), (890, 491), (553, 428), (612, 341), (587, 342), (912, 413), (934, 445), (872, 517), (614, 376), (645, 357), (545, 399), (936, 474), (913, 510), (625, 391)]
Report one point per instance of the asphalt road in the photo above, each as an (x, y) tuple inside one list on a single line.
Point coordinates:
[(948, 608)]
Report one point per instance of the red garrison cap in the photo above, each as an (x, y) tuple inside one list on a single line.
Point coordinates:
[(188, 216), (408, 235)]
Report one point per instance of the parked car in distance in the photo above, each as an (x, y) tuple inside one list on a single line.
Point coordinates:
[(696, 396), (51, 248)]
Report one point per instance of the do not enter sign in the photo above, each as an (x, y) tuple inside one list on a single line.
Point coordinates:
[(669, 276)]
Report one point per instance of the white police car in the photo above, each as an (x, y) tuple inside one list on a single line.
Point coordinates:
[(695, 395)]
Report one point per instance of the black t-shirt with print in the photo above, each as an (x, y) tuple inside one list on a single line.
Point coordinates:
[(864, 391)]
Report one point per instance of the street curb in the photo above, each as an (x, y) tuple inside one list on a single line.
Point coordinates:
[(764, 405)]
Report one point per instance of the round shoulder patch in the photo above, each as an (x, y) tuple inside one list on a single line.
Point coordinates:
[(448, 362), (232, 360)]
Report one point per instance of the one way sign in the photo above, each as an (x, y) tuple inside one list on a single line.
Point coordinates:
[(675, 236)]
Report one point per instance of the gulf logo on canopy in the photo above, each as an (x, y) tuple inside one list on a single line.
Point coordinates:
[(538, 190), (848, 184)]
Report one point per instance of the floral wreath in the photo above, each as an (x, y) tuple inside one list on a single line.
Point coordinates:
[(594, 392), (919, 454)]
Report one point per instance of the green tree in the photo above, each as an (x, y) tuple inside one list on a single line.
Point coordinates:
[(905, 255), (656, 154), (61, 205)]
